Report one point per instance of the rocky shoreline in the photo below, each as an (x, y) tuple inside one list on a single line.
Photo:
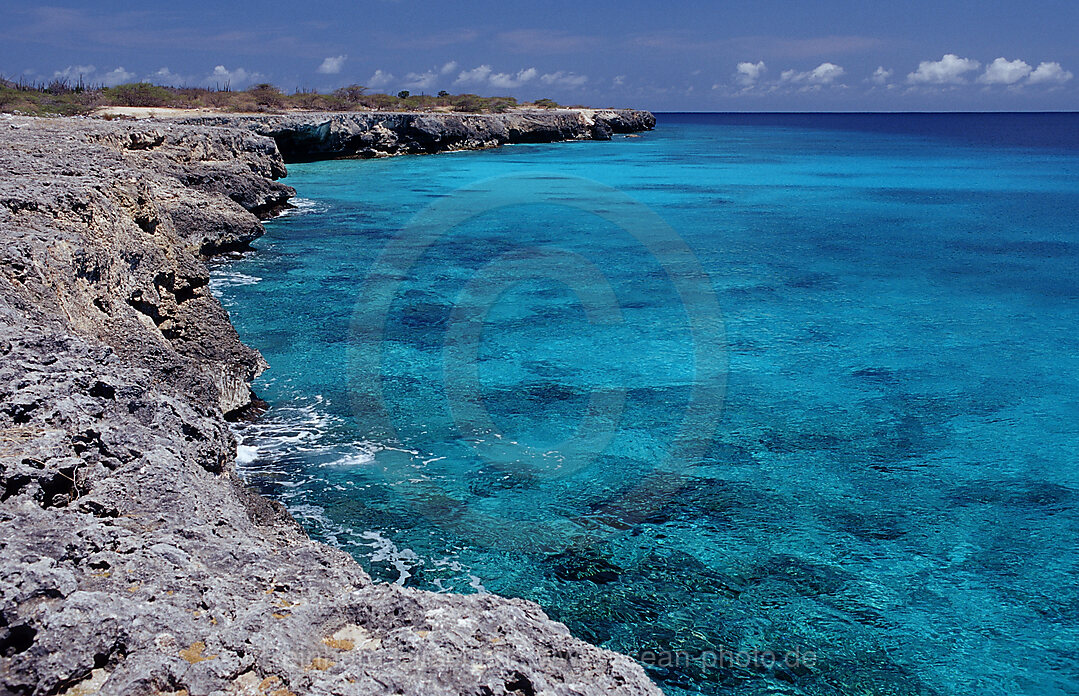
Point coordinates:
[(319, 136), (133, 559)]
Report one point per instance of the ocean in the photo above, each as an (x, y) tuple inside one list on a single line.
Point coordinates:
[(777, 404)]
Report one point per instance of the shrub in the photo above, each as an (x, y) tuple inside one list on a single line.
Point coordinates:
[(378, 102), (138, 94), (501, 104), (219, 99), (351, 94), (267, 95), (64, 97), (470, 103)]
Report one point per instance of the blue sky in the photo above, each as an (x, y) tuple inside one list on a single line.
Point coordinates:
[(843, 55)]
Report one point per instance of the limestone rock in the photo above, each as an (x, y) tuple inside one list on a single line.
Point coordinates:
[(132, 560), (314, 136)]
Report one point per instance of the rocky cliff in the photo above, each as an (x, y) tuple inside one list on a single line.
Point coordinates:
[(132, 560), (314, 136)]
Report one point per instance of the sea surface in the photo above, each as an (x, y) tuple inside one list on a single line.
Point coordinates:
[(777, 404)]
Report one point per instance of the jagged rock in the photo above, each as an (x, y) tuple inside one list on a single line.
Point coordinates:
[(132, 560), (313, 136)]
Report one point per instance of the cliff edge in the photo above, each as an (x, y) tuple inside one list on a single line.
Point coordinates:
[(132, 559), (311, 136)]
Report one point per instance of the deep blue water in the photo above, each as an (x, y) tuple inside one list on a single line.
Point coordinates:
[(831, 410)]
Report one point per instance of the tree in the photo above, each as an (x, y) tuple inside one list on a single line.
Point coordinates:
[(403, 94), (443, 93), (351, 94)]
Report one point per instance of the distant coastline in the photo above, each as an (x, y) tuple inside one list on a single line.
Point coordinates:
[(63, 97)]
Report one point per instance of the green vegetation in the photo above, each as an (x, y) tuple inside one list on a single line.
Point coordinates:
[(62, 98)]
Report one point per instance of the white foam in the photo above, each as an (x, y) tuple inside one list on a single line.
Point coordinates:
[(302, 206), (221, 281), (246, 454), (351, 460), (231, 279), (385, 550), (292, 443)]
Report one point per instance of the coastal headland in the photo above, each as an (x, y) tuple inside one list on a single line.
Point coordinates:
[(134, 560)]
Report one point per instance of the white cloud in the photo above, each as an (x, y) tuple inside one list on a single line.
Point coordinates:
[(484, 75), (332, 65), (1004, 72), (748, 73), (73, 72), (379, 79), (1049, 73), (117, 77), (507, 81), (234, 78), (477, 75), (881, 76), (424, 80), (564, 79), (164, 76), (949, 70), (823, 74), (619, 80), (429, 78)]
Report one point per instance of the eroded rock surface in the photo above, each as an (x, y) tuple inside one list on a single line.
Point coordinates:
[(132, 559), (314, 136)]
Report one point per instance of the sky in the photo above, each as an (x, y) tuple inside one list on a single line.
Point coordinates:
[(765, 55)]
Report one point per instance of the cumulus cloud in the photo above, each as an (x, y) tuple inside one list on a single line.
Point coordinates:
[(475, 76), (881, 76), (508, 81), (1004, 72), (234, 78), (1049, 73), (164, 76), (332, 65), (485, 76), (949, 70), (429, 78), (74, 72), (748, 73), (564, 79), (823, 74), (117, 77), (423, 80), (380, 79)]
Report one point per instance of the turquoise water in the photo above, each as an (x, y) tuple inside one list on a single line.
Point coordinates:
[(831, 411)]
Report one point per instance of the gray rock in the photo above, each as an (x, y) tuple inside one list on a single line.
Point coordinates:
[(132, 559), (314, 136)]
